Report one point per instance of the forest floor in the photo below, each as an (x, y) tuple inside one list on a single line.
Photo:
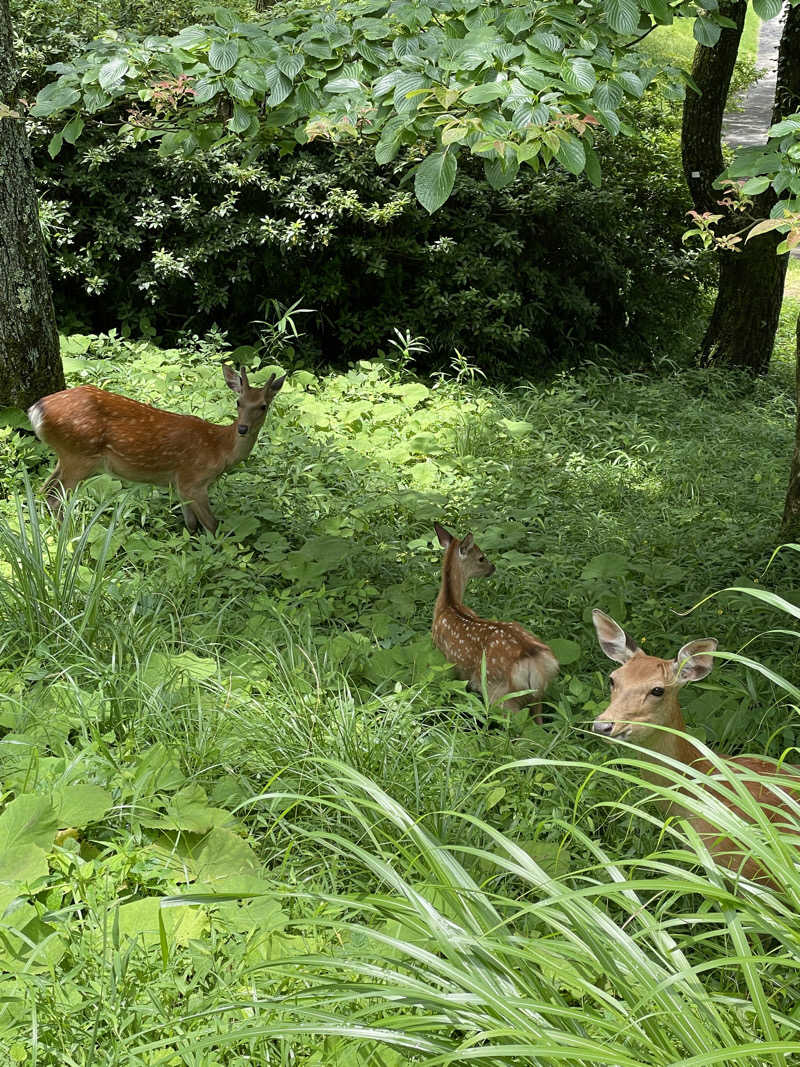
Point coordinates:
[(167, 700)]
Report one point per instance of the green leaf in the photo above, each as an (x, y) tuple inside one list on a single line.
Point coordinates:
[(28, 820), (579, 74), (609, 95), (494, 796), (631, 83), (112, 74), (79, 805), (606, 565), (223, 54), (73, 130), (290, 65), (593, 171), (497, 175), (767, 9), (224, 18), (565, 651), (706, 32), (225, 855), (55, 145), (434, 179), (481, 94), (787, 125), (622, 15), (756, 186), (571, 154), (54, 98)]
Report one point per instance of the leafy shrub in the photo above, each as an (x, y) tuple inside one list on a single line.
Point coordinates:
[(539, 272)]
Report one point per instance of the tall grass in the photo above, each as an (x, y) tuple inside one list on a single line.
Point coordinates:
[(480, 953)]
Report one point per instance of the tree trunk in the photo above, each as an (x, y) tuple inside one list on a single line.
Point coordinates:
[(791, 510), (787, 101), (30, 364), (741, 331)]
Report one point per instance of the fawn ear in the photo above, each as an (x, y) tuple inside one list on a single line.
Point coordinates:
[(616, 644), (444, 537), (466, 544), (233, 379), (693, 662), (274, 383)]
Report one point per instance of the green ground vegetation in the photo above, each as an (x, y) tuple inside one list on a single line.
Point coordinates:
[(249, 718)]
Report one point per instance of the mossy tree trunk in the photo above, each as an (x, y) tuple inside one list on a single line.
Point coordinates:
[(741, 331), (787, 101), (30, 365), (791, 510)]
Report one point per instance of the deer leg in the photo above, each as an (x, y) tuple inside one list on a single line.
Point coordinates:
[(64, 479), (196, 498), (189, 517)]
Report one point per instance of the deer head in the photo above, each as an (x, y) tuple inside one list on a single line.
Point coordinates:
[(644, 689)]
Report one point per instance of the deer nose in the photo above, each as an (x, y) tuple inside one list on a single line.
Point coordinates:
[(601, 726), (492, 569), (243, 430)]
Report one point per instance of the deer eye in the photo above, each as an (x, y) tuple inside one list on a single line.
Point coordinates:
[(263, 407), (481, 559), (657, 691)]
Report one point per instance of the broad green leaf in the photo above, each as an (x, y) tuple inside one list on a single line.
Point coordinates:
[(565, 650), (290, 65), (434, 179), (28, 820), (140, 918), (571, 154), (223, 54), (481, 94), (79, 805), (241, 119), (498, 175), (756, 186), (55, 145), (606, 565), (609, 95), (73, 129), (224, 855), (706, 32), (112, 74), (631, 83), (767, 9), (622, 15), (579, 74), (54, 98)]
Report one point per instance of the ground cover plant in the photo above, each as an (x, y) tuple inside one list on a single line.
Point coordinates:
[(256, 727)]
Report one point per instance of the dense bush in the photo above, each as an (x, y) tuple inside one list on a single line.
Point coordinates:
[(547, 269)]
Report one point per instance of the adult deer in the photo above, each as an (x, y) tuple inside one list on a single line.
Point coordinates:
[(516, 661), (644, 697), (91, 430)]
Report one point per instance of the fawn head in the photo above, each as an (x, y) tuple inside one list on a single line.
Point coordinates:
[(644, 690), (253, 404), (471, 561)]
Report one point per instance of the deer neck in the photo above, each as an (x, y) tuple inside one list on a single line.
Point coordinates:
[(672, 746), (238, 447), (451, 591)]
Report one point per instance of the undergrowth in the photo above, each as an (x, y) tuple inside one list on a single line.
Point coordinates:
[(260, 720)]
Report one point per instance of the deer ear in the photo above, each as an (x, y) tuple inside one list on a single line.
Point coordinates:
[(444, 537), (232, 378), (616, 644), (693, 662), (275, 385), (466, 544)]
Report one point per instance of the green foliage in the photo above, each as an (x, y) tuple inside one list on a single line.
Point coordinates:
[(173, 847), (511, 86), (547, 270)]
